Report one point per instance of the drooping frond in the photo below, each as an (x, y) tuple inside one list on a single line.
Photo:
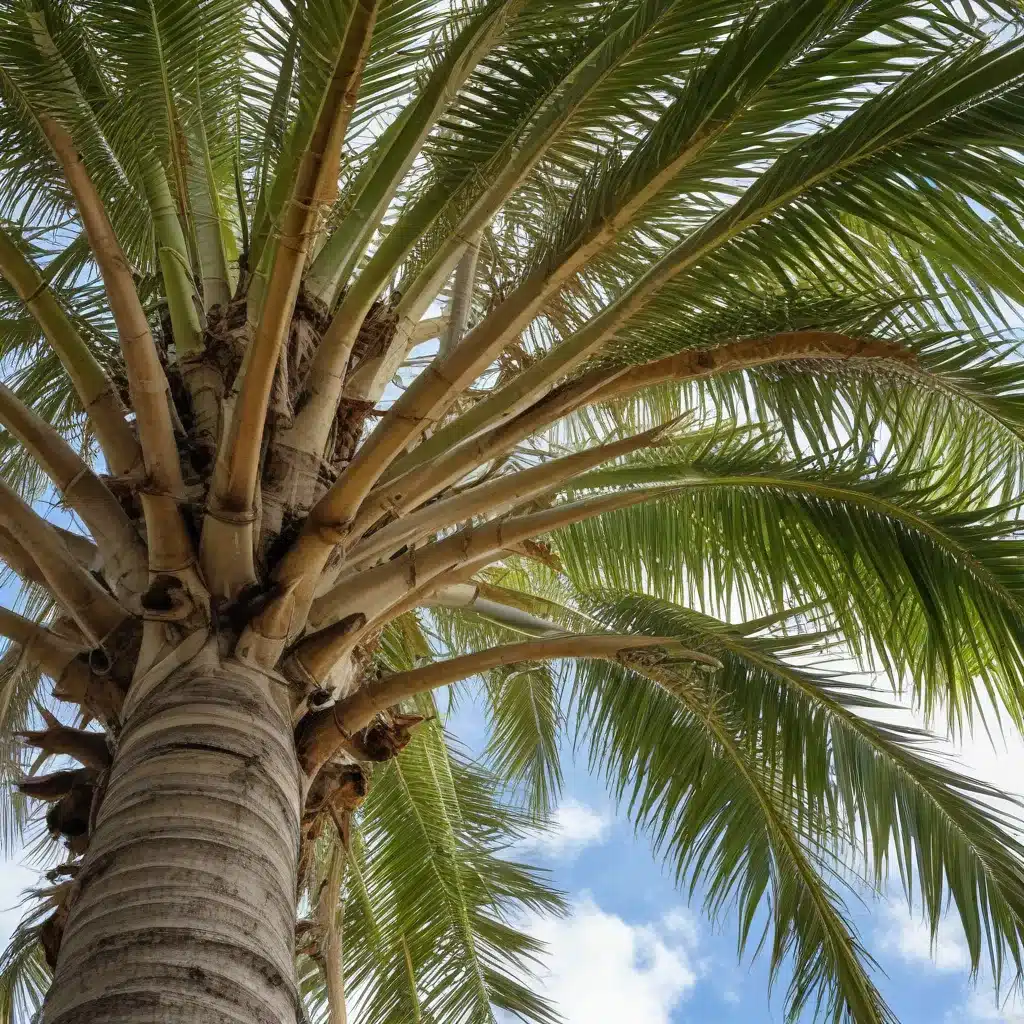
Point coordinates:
[(834, 756), (441, 894), (24, 977), (900, 554), (682, 768)]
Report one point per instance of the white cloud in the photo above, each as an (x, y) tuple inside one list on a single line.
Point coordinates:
[(573, 827), (681, 923), (909, 937), (604, 970), (981, 1007), (998, 760)]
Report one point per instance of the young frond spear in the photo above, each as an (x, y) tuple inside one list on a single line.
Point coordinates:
[(356, 349)]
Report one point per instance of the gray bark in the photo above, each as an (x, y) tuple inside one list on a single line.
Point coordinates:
[(186, 904)]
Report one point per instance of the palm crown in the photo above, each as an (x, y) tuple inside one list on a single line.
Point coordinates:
[(373, 346)]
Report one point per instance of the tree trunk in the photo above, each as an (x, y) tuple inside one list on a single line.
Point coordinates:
[(185, 909)]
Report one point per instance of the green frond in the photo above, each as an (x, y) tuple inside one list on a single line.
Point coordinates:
[(681, 767), (877, 792), (961, 385), (924, 578), (19, 687), (524, 709), (362, 208), (164, 55), (24, 976), (401, 34), (523, 705), (641, 179), (35, 372), (524, 103), (441, 893), (47, 68)]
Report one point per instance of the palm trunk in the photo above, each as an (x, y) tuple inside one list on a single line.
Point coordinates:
[(185, 905)]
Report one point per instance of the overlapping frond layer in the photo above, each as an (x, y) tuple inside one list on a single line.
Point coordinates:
[(432, 887), (859, 541), (402, 332), (824, 741)]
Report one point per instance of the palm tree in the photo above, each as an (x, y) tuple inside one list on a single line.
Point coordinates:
[(357, 348)]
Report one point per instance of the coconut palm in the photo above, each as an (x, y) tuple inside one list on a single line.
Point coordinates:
[(651, 362)]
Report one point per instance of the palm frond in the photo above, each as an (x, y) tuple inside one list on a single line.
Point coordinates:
[(24, 976), (680, 766), (442, 894), (831, 744), (900, 562)]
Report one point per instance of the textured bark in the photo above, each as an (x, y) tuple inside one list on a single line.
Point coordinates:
[(184, 909)]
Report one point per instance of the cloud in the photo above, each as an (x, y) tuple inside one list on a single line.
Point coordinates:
[(604, 970), (980, 1007), (573, 827), (909, 937), (681, 923), (998, 760)]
